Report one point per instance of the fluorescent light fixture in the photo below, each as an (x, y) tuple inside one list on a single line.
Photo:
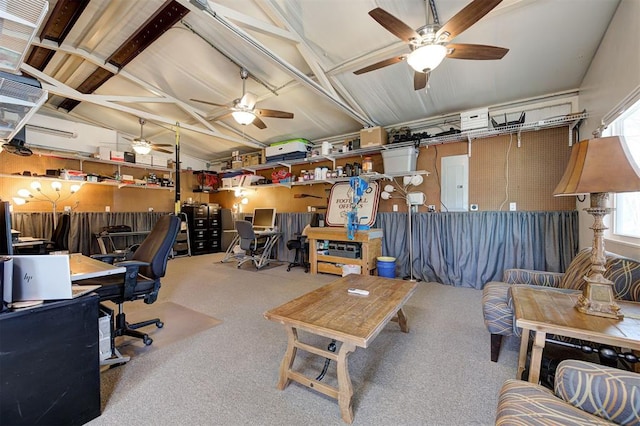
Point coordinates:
[(243, 117), (54, 132), (427, 58)]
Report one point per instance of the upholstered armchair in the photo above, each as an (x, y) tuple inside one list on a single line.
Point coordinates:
[(584, 393), (497, 307)]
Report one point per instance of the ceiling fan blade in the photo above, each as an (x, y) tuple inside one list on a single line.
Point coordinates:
[(394, 25), (221, 117), (156, 148), (162, 144), (420, 80), (209, 103), (259, 123), (272, 113), (462, 20), (475, 51), (381, 64)]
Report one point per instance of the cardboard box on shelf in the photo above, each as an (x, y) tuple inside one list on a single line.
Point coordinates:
[(476, 119), (250, 160), (104, 153), (236, 164), (144, 159), (373, 136), (159, 161), (117, 156)]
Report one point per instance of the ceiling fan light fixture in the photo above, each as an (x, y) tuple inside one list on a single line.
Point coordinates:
[(141, 147), (427, 58), (243, 117)]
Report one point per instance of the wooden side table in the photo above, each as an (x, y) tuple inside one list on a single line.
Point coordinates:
[(371, 248), (548, 311)]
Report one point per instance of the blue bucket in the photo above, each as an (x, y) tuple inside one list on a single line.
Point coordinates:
[(386, 266)]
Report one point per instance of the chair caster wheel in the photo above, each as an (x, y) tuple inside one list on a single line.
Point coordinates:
[(159, 324), (147, 341)]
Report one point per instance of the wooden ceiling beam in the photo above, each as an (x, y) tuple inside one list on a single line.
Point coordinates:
[(164, 18)]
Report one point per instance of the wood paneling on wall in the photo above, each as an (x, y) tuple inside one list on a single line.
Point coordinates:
[(90, 198)]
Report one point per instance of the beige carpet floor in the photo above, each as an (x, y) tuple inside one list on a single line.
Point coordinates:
[(179, 323), (438, 374)]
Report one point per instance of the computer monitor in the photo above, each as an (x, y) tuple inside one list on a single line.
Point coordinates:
[(6, 244), (264, 218)]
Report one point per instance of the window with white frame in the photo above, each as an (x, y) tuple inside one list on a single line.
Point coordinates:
[(626, 219)]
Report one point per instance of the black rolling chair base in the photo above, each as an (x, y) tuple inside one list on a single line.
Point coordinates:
[(123, 328), (301, 253)]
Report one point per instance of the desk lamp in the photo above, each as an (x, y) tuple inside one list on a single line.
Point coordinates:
[(597, 167)]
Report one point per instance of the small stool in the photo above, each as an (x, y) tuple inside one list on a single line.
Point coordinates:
[(300, 259)]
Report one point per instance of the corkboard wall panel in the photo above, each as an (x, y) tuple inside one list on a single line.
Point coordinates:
[(534, 169), (500, 172)]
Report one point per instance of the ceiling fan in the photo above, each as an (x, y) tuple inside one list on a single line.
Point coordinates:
[(244, 109), (430, 44), (142, 146)]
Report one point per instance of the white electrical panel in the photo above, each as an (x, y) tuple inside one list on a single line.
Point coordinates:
[(454, 193)]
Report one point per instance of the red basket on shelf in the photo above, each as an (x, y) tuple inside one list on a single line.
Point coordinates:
[(282, 175)]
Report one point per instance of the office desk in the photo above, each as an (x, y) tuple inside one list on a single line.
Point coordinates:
[(30, 242), (109, 236), (264, 258), (84, 267), (50, 363)]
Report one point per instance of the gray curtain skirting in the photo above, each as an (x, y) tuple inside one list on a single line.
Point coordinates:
[(84, 226), (465, 249)]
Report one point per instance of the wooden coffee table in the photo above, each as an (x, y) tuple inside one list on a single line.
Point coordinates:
[(548, 311), (350, 319)]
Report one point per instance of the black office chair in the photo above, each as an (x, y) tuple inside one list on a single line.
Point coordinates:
[(252, 244), (142, 278), (301, 246), (60, 237)]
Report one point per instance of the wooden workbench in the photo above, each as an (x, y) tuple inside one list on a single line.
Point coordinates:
[(371, 241)]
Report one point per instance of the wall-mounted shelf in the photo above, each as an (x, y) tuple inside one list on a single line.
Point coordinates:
[(570, 120), (83, 159), (84, 182)]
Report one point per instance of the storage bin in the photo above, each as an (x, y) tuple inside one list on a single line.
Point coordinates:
[(350, 269), (386, 266), (400, 160)]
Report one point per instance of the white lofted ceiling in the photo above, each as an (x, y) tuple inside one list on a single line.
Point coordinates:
[(301, 55)]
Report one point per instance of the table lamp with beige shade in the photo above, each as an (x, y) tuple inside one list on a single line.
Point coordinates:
[(597, 167)]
